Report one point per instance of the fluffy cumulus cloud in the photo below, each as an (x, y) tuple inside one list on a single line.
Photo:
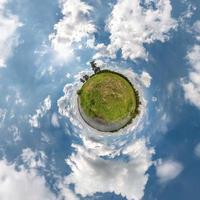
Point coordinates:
[(146, 79), (40, 112), (22, 185), (191, 85), (91, 173), (72, 28), (168, 170), (9, 24), (66, 193), (133, 24)]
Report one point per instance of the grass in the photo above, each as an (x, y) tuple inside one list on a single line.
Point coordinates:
[(108, 96)]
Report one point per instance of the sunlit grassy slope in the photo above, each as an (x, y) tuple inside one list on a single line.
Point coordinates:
[(108, 96)]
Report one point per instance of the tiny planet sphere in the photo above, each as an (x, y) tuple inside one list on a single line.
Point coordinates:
[(108, 101)]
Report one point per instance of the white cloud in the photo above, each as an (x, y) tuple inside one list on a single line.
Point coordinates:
[(14, 130), (146, 79), (188, 13), (33, 159), (40, 112), (55, 120), (163, 119), (171, 87), (9, 24), (168, 170), (66, 193), (196, 29), (3, 113), (132, 25), (15, 97), (191, 85), (22, 185), (45, 138), (102, 51), (72, 28), (91, 173), (197, 150)]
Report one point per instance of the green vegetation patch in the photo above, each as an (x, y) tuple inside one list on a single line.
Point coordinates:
[(108, 96)]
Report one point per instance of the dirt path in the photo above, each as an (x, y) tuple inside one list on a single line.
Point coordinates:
[(101, 126)]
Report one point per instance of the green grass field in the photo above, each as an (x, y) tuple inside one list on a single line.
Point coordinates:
[(108, 96)]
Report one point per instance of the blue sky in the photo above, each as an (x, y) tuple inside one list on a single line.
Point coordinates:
[(44, 144)]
